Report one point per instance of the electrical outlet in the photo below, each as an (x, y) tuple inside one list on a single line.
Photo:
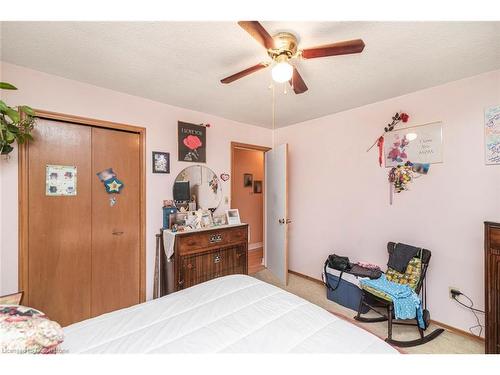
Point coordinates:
[(450, 288)]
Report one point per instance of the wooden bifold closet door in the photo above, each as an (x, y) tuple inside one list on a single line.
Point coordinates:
[(59, 228), (83, 254), (115, 230)]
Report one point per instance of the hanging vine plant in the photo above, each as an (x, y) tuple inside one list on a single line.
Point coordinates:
[(16, 123)]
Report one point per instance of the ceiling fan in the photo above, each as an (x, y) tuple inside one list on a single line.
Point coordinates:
[(282, 48)]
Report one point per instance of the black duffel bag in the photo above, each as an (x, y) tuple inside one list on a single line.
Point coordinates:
[(338, 263)]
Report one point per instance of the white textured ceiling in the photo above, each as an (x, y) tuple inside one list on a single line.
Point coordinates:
[(181, 63)]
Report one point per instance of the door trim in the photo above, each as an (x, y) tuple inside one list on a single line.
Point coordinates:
[(264, 149), (23, 194)]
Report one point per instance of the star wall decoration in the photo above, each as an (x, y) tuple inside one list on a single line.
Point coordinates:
[(113, 185)]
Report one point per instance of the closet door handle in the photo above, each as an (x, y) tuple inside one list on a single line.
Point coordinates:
[(117, 233)]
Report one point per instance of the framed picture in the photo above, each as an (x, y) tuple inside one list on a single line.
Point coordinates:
[(492, 135), (192, 142), (60, 180), (247, 180), (161, 162), (418, 144), (179, 218), (233, 216), (257, 187)]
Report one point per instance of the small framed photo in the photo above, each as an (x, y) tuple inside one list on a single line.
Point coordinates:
[(233, 216), (257, 187), (161, 162), (179, 218), (247, 180)]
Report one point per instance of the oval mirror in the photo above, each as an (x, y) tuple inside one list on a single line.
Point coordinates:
[(198, 185)]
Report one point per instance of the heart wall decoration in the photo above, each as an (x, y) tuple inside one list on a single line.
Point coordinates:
[(224, 177)]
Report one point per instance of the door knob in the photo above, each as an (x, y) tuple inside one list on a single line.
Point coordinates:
[(288, 221)]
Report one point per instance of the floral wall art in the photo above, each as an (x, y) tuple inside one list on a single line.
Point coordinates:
[(408, 151), (418, 144), (192, 144), (492, 134)]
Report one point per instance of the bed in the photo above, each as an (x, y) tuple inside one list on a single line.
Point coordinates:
[(235, 313)]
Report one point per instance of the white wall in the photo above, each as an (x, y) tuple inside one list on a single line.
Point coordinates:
[(48, 92), (339, 196)]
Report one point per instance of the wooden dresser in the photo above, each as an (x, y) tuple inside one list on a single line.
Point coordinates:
[(204, 255), (492, 287)]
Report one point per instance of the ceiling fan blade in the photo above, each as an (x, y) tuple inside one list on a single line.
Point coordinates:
[(340, 48), (257, 31), (297, 83), (244, 73)]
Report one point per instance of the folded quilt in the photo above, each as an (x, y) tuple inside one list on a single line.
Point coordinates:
[(407, 304)]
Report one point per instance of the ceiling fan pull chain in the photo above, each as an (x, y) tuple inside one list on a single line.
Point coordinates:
[(274, 115)]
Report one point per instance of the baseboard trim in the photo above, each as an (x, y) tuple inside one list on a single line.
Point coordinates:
[(255, 245), (455, 330), (256, 249), (307, 277), (458, 331)]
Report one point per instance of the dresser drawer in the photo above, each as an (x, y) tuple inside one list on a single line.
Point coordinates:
[(196, 269), (202, 267), (494, 237), (195, 242), (205, 255)]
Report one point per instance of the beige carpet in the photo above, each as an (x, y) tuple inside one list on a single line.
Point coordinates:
[(447, 343)]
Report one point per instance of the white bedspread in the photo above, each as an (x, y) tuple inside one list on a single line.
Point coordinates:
[(230, 314)]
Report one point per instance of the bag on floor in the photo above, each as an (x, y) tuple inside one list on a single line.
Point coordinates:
[(338, 263)]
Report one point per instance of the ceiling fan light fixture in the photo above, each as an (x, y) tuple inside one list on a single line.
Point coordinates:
[(282, 71)]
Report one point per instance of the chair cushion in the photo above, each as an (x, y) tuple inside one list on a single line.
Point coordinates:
[(411, 278)]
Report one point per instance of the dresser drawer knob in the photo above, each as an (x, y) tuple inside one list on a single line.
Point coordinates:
[(215, 238), (217, 259)]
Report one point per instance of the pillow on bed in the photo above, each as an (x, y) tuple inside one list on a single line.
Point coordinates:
[(27, 330)]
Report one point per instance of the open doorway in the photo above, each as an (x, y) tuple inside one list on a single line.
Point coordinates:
[(247, 195)]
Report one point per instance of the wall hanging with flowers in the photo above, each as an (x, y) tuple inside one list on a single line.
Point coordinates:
[(396, 119), (400, 176), (403, 171), (192, 142)]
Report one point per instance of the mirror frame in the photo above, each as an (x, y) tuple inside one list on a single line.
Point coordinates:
[(219, 188)]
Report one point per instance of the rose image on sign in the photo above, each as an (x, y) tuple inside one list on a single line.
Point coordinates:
[(192, 142), (398, 150)]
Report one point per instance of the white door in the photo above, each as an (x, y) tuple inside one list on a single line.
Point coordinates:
[(276, 244)]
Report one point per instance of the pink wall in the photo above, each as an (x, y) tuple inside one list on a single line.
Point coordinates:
[(339, 206), (342, 205), (53, 93)]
